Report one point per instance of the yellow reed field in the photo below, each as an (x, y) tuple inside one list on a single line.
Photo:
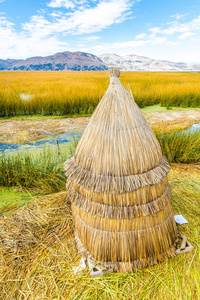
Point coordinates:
[(62, 93)]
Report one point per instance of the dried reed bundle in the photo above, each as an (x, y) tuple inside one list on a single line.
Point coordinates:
[(117, 183)]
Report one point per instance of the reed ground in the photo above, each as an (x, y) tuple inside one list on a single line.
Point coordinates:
[(21, 130), (38, 253)]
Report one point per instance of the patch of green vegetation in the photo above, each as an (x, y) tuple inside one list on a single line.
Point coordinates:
[(40, 169), (151, 108), (12, 198), (24, 174), (180, 147), (38, 116), (158, 107)]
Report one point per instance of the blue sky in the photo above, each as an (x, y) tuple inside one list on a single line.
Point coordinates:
[(167, 30)]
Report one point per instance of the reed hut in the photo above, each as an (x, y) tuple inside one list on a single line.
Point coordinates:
[(118, 186)]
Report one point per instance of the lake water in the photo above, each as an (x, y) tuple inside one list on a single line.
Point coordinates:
[(194, 127), (62, 139)]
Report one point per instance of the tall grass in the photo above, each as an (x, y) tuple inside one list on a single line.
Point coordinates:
[(43, 170), (179, 147), (62, 93)]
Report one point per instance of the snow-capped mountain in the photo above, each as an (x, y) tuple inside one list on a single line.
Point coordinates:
[(140, 63)]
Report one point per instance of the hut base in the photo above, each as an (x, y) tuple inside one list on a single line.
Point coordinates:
[(127, 267)]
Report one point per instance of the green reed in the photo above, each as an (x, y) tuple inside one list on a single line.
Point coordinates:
[(44, 169), (180, 147)]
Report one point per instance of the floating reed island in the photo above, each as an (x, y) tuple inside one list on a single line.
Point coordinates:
[(118, 186)]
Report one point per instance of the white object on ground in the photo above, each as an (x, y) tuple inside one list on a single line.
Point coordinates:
[(81, 266), (26, 97), (180, 219), (96, 270)]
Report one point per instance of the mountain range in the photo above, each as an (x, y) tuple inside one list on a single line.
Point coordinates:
[(81, 61), (141, 63), (64, 61)]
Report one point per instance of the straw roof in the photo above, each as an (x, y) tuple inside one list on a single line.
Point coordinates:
[(117, 182)]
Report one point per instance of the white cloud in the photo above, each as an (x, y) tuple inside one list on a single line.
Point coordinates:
[(68, 4), (61, 3), (38, 26), (56, 14), (140, 36), (178, 27), (178, 16), (154, 30), (95, 19), (21, 45), (91, 38), (185, 35), (42, 35), (134, 44), (89, 20), (169, 39)]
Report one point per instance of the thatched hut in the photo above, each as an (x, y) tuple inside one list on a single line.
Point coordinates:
[(117, 182)]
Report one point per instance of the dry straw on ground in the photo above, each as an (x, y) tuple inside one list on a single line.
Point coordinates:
[(38, 253), (117, 181)]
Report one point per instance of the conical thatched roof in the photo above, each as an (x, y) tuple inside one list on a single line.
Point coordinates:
[(118, 185)]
